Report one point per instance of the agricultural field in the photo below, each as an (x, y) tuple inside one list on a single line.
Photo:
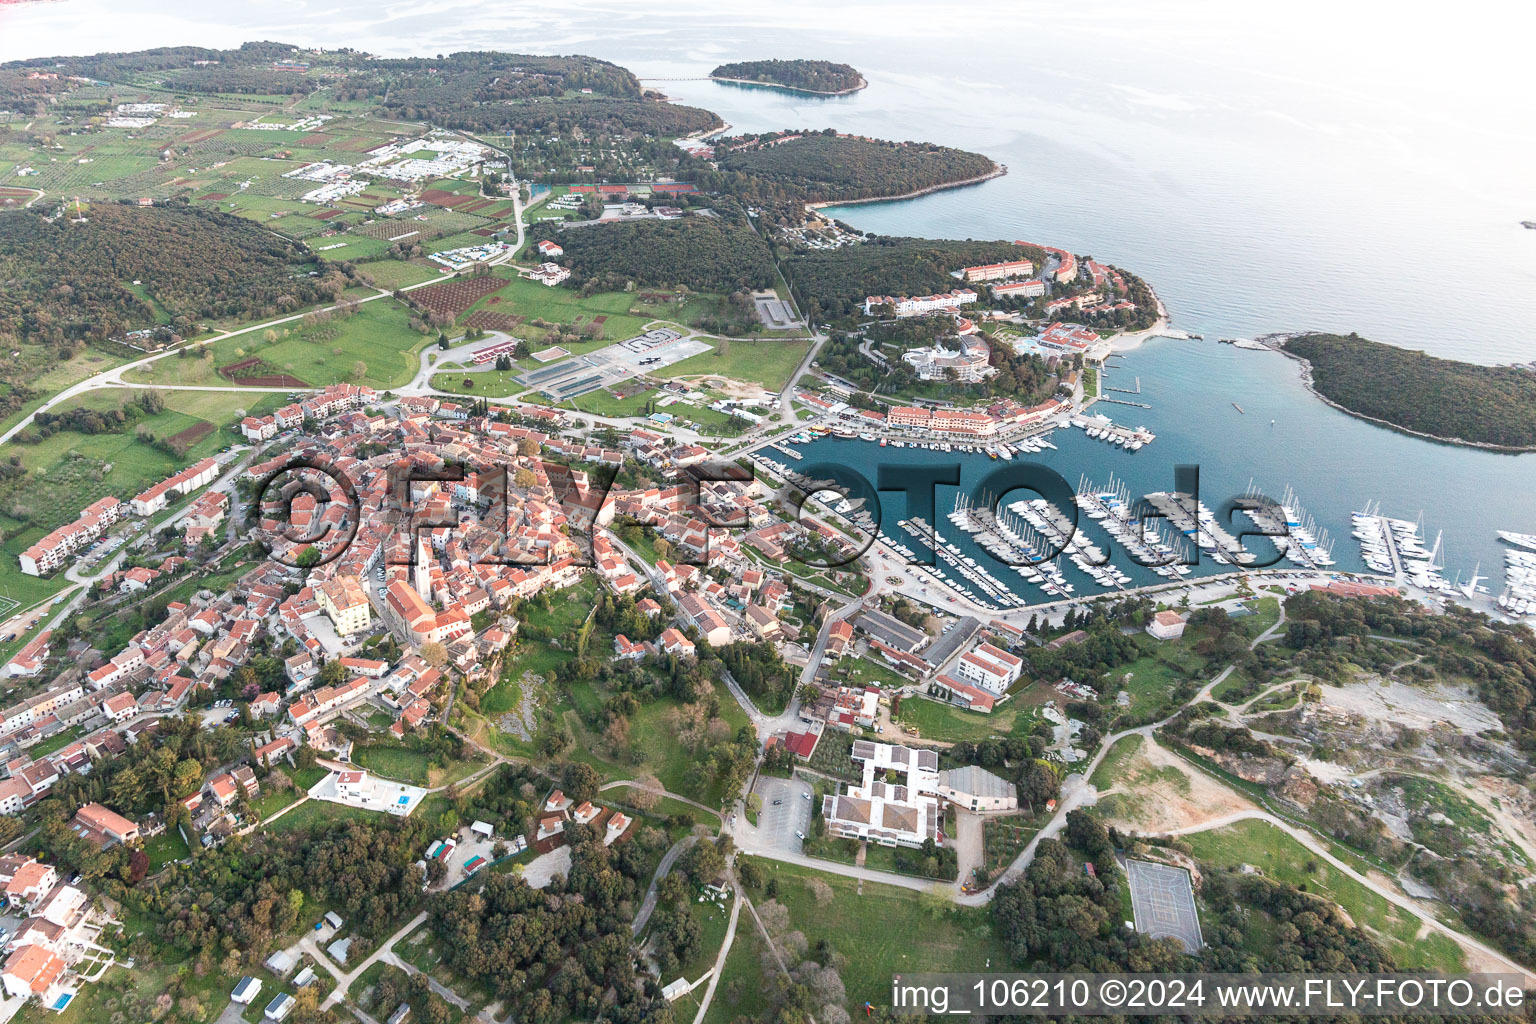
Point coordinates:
[(458, 295), (393, 274), (68, 471)]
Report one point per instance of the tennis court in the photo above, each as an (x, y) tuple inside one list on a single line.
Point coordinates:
[(1164, 902)]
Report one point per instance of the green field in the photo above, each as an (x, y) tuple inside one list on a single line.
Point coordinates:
[(602, 403), (654, 748), (739, 993), (379, 336), (483, 384), (393, 761), (317, 812), (947, 723), (1283, 859), (398, 273), (540, 302), (763, 361), (883, 930), (164, 848)]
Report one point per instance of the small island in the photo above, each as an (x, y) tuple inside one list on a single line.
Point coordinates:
[(821, 77), (1442, 399)]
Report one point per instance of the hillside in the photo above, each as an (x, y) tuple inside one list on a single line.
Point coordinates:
[(74, 279), (820, 76), (1445, 399)]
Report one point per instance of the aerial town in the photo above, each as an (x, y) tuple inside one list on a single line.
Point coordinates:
[(475, 619)]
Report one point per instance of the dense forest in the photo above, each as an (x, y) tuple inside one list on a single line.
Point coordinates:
[(68, 278), (121, 65), (1493, 405), (781, 172), (834, 282), (592, 114), (707, 254), (435, 89), (806, 75), (555, 953)]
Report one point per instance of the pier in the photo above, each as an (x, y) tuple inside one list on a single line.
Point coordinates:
[(1195, 521), (1122, 401)]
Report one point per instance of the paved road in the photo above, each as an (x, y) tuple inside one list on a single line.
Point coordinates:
[(662, 870), (344, 981), (659, 792), (719, 968)]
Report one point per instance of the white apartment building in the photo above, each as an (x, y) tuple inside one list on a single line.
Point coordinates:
[(988, 667)]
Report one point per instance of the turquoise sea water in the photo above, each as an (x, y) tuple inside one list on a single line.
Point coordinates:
[(1334, 462)]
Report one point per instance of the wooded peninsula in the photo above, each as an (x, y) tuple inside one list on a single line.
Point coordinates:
[(1462, 403)]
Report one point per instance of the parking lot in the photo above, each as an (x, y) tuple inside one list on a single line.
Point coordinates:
[(650, 352), (778, 821)]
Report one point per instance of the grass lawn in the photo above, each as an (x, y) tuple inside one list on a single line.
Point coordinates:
[(379, 336), (271, 801), (867, 672), (945, 722), (483, 384), (1266, 612), (602, 403), (1285, 860), (166, 847), (713, 923), (740, 990), (883, 930), (317, 812), (765, 361), (393, 761)]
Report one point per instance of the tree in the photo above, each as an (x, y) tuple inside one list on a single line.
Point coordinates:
[(434, 654), (359, 370), (645, 794), (581, 781)]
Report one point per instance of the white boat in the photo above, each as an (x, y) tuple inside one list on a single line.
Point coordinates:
[(1519, 540)]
